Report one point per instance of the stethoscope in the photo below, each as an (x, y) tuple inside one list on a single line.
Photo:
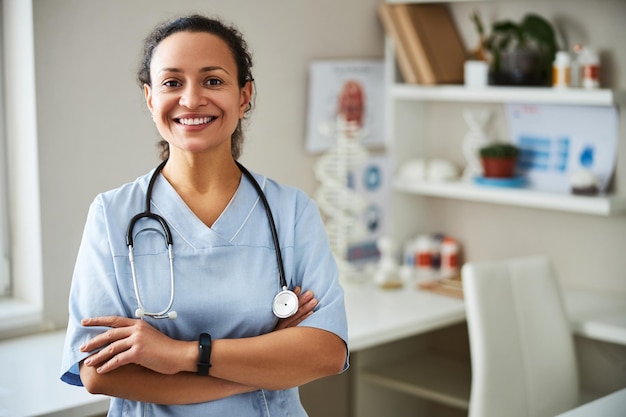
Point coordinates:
[(285, 303)]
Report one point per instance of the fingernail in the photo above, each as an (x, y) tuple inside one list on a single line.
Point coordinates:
[(88, 362)]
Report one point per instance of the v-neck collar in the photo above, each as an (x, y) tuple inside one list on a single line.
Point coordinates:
[(184, 223)]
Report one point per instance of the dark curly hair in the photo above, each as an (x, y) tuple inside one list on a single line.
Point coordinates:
[(197, 23)]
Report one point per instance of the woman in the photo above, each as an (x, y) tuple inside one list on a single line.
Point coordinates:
[(225, 353)]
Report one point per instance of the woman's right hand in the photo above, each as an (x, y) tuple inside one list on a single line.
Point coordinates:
[(306, 304)]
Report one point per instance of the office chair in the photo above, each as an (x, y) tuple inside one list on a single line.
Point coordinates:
[(521, 345)]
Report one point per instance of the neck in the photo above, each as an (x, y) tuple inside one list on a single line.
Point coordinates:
[(205, 184), (202, 173)]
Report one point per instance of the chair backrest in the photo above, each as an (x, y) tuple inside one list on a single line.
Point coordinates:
[(521, 345)]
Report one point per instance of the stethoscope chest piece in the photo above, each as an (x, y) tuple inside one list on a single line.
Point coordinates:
[(285, 304)]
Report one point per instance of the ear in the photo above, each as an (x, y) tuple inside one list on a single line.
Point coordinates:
[(245, 96), (147, 91)]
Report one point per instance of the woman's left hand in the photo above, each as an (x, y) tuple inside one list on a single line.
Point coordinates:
[(134, 341), (306, 304)]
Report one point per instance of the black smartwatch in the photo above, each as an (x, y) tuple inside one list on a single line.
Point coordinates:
[(204, 358)]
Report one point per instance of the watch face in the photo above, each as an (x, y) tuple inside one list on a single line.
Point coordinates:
[(285, 304)]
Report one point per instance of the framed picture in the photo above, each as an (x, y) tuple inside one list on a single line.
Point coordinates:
[(353, 89)]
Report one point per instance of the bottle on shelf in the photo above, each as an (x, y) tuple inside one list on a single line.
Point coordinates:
[(561, 70), (576, 74), (590, 64)]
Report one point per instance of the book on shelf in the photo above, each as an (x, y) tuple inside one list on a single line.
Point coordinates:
[(402, 56), (426, 36)]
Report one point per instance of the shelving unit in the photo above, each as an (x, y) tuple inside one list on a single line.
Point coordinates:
[(435, 377), (601, 205)]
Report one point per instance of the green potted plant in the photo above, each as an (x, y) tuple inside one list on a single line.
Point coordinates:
[(499, 159), (520, 53)]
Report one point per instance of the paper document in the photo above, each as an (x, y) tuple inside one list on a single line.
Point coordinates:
[(556, 141)]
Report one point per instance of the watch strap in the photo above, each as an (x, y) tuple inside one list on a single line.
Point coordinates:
[(204, 357)]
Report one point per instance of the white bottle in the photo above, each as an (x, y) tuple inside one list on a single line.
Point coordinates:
[(576, 74), (561, 70), (590, 64), (449, 256)]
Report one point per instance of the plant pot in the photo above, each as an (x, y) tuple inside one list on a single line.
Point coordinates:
[(498, 167), (522, 67)]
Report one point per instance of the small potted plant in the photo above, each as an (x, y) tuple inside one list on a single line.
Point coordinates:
[(520, 53), (499, 159)]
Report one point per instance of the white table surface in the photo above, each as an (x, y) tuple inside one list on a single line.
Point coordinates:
[(378, 316), (597, 315), (612, 405)]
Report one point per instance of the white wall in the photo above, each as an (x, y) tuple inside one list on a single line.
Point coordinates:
[(94, 132)]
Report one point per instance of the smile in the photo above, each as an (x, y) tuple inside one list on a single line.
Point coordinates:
[(195, 121)]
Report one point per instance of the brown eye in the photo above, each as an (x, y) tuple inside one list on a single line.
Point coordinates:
[(171, 83), (213, 82)]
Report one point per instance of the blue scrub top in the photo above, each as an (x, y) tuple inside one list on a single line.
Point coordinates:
[(226, 278)]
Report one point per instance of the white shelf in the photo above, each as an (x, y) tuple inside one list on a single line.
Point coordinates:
[(545, 95), (597, 205), (436, 377)]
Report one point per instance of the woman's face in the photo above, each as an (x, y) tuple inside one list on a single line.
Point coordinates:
[(194, 98)]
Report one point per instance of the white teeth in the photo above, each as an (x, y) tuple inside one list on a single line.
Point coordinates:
[(196, 121)]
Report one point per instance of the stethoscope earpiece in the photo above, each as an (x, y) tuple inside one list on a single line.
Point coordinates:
[(285, 302)]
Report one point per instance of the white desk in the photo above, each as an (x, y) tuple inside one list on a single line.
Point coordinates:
[(612, 405), (595, 315), (379, 316)]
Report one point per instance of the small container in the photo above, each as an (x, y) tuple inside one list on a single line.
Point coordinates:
[(576, 74), (561, 70), (475, 73), (423, 253), (590, 64), (449, 256)]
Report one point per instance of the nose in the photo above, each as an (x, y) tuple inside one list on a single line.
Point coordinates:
[(192, 97)]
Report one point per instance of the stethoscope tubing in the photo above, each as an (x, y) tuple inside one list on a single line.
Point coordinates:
[(281, 309), (270, 219)]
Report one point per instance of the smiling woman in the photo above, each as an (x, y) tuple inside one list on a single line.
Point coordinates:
[(234, 340)]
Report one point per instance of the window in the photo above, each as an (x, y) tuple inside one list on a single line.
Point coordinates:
[(5, 281), (21, 309)]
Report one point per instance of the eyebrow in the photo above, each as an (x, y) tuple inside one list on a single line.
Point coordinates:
[(204, 69)]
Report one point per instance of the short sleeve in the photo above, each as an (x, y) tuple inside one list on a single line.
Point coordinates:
[(316, 270), (93, 291)]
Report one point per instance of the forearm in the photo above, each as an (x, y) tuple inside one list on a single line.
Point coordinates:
[(279, 360), (137, 383)]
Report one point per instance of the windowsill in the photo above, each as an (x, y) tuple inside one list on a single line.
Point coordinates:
[(30, 384), (19, 317)]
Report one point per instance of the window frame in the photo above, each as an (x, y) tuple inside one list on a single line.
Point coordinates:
[(21, 312), (5, 255)]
